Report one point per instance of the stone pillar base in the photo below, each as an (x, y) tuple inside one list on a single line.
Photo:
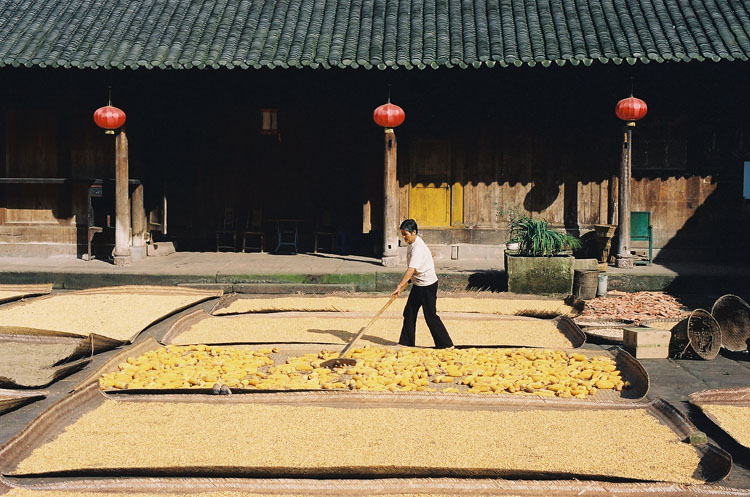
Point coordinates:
[(390, 261), (624, 261), (122, 260)]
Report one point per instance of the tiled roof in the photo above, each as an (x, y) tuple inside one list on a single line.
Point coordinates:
[(245, 34)]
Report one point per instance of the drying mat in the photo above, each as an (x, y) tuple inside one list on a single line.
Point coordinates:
[(631, 369), (466, 329), (486, 304), (10, 399), (113, 315), (666, 324), (9, 293), (28, 361), (603, 331), (733, 315), (390, 487), (729, 409), (211, 433)]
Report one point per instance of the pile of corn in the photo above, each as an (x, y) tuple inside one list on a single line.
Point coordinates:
[(487, 371)]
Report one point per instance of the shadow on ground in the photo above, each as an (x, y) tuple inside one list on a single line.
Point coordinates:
[(492, 281)]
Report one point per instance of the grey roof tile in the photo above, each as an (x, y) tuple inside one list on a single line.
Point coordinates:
[(183, 34)]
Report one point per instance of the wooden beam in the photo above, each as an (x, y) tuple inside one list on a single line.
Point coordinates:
[(138, 217), (122, 207), (390, 210)]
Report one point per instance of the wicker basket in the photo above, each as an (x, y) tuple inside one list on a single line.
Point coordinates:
[(733, 315), (697, 336)]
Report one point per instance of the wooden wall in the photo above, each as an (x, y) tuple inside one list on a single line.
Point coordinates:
[(540, 141)]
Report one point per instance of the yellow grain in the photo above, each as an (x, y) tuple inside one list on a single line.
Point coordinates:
[(373, 304), (177, 435), (735, 420), (118, 316), (335, 330), (5, 294), (24, 492)]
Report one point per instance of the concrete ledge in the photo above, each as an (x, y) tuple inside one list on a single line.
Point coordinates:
[(382, 282), (461, 251), (287, 288)]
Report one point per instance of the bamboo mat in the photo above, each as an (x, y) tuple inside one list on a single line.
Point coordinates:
[(729, 409), (486, 304), (10, 399), (466, 329), (391, 487), (631, 370), (9, 293), (112, 315), (272, 441)]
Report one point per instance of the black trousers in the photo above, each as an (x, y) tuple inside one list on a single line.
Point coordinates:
[(425, 297)]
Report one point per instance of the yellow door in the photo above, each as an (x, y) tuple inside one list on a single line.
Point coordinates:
[(430, 192), (430, 204)]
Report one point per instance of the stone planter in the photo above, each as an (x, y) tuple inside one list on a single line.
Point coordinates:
[(540, 275)]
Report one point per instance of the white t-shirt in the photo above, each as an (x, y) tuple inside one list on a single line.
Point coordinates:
[(419, 257)]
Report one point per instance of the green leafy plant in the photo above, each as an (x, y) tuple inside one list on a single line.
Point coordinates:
[(510, 214), (538, 239)]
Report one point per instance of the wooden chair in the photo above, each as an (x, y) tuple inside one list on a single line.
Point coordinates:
[(287, 234), (227, 231), (324, 230), (253, 228)]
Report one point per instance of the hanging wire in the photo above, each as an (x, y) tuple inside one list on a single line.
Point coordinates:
[(389, 92), (109, 95)]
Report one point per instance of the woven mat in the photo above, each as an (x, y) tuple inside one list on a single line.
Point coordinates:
[(66, 314), (735, 424), (10, 399), (466, 329), (47, 428), (631, 370), (9, 293)]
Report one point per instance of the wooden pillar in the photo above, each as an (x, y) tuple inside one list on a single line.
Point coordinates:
[(390, 210), (603, 201), (614, 196), (624, 258), (138, 222), (122, 209)]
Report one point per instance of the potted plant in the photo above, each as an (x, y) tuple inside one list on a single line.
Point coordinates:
[(510, 214), (537, 239), (544, 263)]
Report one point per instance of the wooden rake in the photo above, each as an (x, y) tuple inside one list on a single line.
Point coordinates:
[(341, 360)]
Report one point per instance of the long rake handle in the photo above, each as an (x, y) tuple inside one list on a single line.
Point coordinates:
[(363, 330)]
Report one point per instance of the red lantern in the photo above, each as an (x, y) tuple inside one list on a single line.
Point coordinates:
[(631, 109), (110, 118), (389, 115)]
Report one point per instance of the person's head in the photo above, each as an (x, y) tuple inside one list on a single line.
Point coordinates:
[(409, 230)]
